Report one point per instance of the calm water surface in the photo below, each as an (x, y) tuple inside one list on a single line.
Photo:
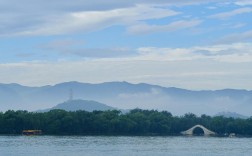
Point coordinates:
[(123, 146)]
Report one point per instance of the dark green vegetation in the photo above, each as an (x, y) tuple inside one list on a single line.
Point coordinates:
[(74, 105), (136, 122)]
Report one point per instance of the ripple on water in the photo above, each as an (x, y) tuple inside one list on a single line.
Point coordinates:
[(123, 146)]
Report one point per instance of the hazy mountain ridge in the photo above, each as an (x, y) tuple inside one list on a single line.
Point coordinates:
[(124, 95), (232, 115)]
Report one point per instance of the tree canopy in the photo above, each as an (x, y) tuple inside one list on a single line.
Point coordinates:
[(113, 122)]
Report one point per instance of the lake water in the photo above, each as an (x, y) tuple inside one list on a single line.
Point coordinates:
[(123, 146)]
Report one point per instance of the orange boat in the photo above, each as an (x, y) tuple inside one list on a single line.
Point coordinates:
[(32, 132)]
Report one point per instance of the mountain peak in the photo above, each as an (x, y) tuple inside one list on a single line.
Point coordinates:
[(75, 105)]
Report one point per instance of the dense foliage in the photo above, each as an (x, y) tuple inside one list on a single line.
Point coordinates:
[(136, 122)]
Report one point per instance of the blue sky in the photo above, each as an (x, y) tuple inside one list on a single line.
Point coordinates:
[(200, 44)]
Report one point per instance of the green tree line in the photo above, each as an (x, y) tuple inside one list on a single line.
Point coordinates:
[(135, 122)]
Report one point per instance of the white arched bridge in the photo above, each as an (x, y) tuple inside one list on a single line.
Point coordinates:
[(191, 130)]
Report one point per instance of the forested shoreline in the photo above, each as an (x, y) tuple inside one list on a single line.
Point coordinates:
[(136, 122)]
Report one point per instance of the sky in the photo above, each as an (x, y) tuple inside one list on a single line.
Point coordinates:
[(196, 44)]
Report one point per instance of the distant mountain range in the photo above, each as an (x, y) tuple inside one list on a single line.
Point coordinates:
[(124, 95), (232, 115), (75, 105)]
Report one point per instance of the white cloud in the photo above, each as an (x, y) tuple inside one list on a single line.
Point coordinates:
[(85, 21), (166, 54), (205, 67), (238, 25), (236, 37), (70, 47), (174, 26), (195, 74), (238, 58), (243, 2), (44, 17), (237, 52), (228, 14), (62, 43), (212, 7), (99, 52)]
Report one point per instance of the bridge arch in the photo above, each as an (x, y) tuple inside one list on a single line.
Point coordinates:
[(205, 130)]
